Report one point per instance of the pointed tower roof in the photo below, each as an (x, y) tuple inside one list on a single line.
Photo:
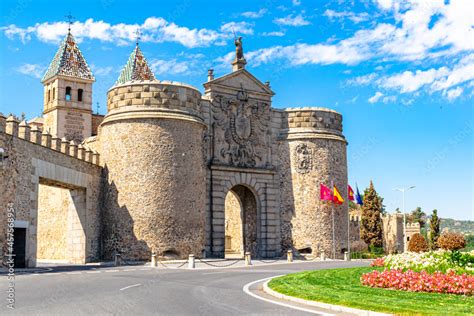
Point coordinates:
[(69, 62), (136, 68)]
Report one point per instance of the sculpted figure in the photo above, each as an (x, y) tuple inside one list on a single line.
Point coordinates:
[(239, 51)]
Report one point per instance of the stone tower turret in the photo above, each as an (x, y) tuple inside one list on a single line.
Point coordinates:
[(152, 142), (313, 151), (68, 93)]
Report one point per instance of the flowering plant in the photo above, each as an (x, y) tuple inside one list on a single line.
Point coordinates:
[(420, 281), (379, 262), (433, 261)]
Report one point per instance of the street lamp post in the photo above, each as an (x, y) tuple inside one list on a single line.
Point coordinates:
[(403, 190)]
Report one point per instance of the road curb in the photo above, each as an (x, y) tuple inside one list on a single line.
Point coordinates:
[(332, 307)]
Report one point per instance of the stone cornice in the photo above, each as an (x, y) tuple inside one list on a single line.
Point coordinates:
[(131, 113), (237, 169)]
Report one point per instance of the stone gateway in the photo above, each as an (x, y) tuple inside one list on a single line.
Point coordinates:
[(169, 170)]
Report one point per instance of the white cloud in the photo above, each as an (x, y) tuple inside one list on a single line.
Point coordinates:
[(101, 71), (363, 80), (376, 97), (255, 14), (435, 79), (296, 2), (389, 99), (385, 4), (291, 20), (237, 27), (414, 36), (153, 29), (356, 18), (409, 81), (33, 70), (167, 67), (275, 33), (453, 94)]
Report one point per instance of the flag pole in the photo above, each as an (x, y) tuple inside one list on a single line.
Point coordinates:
[(348, 224), (333, 235), (333, 228)]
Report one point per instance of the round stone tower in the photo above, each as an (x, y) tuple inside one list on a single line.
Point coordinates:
[(151, 141), (313, 152)]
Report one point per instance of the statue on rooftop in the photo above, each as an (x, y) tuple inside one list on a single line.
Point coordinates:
[(239, 51)]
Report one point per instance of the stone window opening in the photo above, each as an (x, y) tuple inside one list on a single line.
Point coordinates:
[(54, 93), (68, 93), (49, 95), (79, 95)]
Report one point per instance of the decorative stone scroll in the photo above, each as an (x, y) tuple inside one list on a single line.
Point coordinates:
[(304, 158), (244, 123)]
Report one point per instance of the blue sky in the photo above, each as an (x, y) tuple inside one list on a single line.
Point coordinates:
[(401, 72)]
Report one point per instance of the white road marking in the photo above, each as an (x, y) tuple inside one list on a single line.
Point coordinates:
[(213, 273), (246, 290), (146, 269), (73, 272), (93, 271), (112, 270), (130, 286), (126, 270)]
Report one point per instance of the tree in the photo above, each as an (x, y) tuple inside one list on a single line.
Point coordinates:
[(417, 243), (417, 216), (434, 230), (371, 222), (451, 241)]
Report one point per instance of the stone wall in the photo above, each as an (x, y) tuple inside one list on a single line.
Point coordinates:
[(393, 233), (68, 118), (96, 121), (154, 168), (233, 225), (312, 151), (33, 156), (53, 205), (354, 229)]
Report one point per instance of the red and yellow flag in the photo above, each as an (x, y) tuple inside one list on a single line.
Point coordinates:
[(337, 197), (325, 193), (350, 192)]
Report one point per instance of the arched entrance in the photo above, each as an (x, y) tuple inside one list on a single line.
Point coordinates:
[(240, 222)]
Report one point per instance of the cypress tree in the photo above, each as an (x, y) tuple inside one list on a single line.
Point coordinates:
[(371, 222), (434, 230)]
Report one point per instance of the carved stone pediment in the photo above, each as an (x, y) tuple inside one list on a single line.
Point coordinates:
[(241, 130)]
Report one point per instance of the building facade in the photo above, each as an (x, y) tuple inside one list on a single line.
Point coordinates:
[(171, 170)]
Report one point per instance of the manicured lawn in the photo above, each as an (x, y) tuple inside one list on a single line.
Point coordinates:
[(343, 287)]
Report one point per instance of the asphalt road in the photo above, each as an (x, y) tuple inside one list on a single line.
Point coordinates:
[(139, 290)]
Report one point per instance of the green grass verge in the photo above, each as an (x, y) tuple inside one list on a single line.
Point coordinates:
[(343, 287)]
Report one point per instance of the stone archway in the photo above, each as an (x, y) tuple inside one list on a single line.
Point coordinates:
[(241, 222)]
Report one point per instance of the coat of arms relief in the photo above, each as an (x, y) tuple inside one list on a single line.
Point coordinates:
[(242, 137)]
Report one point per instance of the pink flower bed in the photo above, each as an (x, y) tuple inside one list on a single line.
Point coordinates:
[(420, 281), (379, 262)]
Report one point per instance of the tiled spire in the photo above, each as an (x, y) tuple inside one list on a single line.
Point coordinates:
[(136, 68), (69, 61)]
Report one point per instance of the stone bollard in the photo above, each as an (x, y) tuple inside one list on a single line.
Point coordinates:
[(323, 255), (248, 259), (154, 263), (117, 259), (346, 256), (191, 262), (289, 256)]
